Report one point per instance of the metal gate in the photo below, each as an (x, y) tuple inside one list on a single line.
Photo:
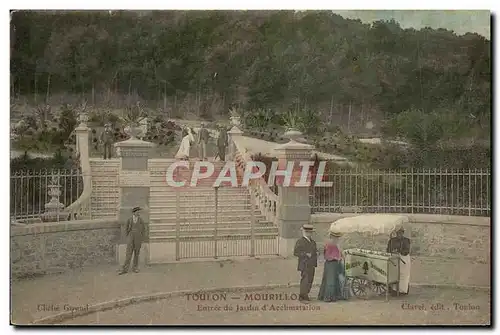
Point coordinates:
[(221, 222)]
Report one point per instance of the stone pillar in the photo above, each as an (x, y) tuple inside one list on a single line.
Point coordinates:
[(134, 184), (233, 134), (293, 208), (82, 134)]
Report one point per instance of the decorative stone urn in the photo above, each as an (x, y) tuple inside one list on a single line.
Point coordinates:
[(54, 208), (235, 120), (134, 131), (83, 118), (292, 134)]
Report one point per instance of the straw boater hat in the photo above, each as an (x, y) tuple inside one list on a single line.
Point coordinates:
[(136, 209), (334, 232), (307, 227)]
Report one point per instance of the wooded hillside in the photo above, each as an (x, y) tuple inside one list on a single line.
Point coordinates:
[(276, 60)]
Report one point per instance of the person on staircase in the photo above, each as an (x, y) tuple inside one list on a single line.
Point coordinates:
[(222, 142), (187, 139), (203, 137), (107, 139), (136, 231)]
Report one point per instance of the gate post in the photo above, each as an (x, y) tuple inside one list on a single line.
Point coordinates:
[(134, 183), (252, 226), (233, 135), (216, 220), (293, 205), (177, 224)]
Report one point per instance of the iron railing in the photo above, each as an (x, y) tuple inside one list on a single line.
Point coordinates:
[(42, 195), (430, 191)]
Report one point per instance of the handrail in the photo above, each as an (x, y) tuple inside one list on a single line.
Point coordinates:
[(80, 209), (264, 196)]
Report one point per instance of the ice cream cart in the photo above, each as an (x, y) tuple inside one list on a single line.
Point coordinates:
[(370, 272)]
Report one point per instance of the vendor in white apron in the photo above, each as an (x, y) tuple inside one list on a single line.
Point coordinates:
[(400, 244)]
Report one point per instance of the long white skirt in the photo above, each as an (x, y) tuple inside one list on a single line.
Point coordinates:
[(404, 274), (183, 152)]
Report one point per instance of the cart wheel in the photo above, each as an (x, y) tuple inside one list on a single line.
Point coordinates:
[(361, 288), (379, 288)]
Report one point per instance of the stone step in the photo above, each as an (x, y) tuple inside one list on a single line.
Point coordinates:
[(104, 169), (103, 215), (211, 225), (156, 178), (105, 204), (202, 212), (108, 207), (111, 206), (210, 237), (202, 204), (171, 218), (220, 232), (197, 189), (166, 199), (104, 200), (104, 197), (191, 192), (106, 191), (168, 161), (209, 181)]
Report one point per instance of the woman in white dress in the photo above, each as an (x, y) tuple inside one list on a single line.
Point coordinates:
[(187, 139)]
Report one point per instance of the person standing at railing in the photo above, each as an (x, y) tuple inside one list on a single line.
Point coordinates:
[(136, 232), (203, 137), (107, 139)]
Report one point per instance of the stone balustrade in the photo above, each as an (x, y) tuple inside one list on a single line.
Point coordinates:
[(259, 190)]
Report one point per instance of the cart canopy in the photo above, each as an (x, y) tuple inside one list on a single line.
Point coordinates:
[(372, 223)]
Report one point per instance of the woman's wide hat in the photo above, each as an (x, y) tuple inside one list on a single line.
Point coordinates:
[(334, 232)]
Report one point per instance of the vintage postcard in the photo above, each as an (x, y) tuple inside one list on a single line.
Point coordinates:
[(312, 167)]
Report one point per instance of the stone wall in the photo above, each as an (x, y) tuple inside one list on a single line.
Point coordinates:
[(55, 247), (455, 244)]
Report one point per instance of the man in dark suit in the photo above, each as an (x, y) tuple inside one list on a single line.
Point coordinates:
[(222, 142), (136, 231), (305, 250), (401, 245), (203, 137), (107, 139)]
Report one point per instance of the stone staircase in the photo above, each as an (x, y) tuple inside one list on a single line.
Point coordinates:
[(197, 209), (104, 199), (196, 205)]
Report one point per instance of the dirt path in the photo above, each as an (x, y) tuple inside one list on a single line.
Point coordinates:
[(424, 306)]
